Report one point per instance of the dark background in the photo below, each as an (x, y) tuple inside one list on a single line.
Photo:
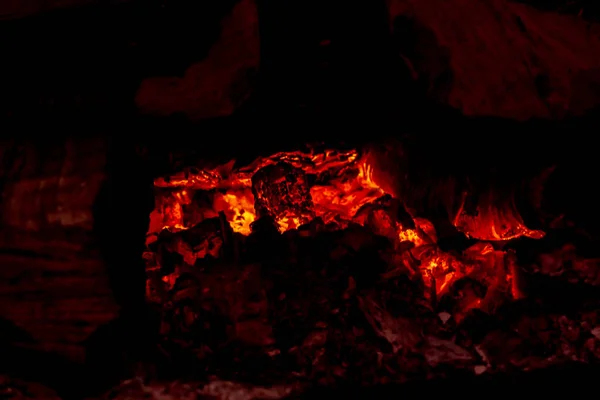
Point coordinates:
[(76, 71)]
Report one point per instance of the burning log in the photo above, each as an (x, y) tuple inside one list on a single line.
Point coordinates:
[(174, 252), (207, 238), (380, 219), (325, 323), (282, 192), (318, 291), (361, 290), (523, 199)]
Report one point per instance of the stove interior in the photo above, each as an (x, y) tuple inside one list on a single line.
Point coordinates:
[(309, 268), (325, 198)]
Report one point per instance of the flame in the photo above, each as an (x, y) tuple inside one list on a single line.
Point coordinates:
[(238, 208), (287, 223), (410, 235), (493, 221), (342, 183), (344, 197)]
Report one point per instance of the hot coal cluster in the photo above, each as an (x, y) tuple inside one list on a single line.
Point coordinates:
[(300, 268)]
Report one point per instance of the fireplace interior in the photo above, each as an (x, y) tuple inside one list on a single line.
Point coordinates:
[(369, 210), (383, 263)]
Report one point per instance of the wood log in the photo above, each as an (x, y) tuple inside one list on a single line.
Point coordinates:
[(55, 284)]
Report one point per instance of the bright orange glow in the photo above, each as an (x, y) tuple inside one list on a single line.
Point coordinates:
[(238, 207), (341, 184)]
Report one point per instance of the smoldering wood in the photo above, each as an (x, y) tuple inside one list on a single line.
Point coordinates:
[(258, 329), (282, 191), (47, 214), (240, 293), (211, 237)]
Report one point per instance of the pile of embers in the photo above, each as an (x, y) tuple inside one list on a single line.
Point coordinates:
[(368, 300)]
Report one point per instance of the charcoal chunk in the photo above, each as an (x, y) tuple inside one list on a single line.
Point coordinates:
[(282, 191)]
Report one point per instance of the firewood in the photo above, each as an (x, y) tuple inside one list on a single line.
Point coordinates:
[(56, 284), (282, 191)]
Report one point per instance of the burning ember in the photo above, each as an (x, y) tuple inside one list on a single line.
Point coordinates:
[(335, 187), (303, 254)]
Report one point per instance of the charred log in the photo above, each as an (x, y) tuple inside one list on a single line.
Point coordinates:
[(282, 192)]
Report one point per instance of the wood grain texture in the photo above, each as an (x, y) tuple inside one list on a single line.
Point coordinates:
[(53, 283)]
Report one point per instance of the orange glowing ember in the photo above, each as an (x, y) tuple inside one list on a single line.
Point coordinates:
[(238, 207), (494, 221), (341, 183)]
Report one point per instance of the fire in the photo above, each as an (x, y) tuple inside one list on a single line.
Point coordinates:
[(440, 267), (410, 235), (287, 223), (294, 188), (239, 209), (492, 222), (344, 197)]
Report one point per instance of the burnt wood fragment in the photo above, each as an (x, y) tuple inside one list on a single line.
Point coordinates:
[(282, 191)]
